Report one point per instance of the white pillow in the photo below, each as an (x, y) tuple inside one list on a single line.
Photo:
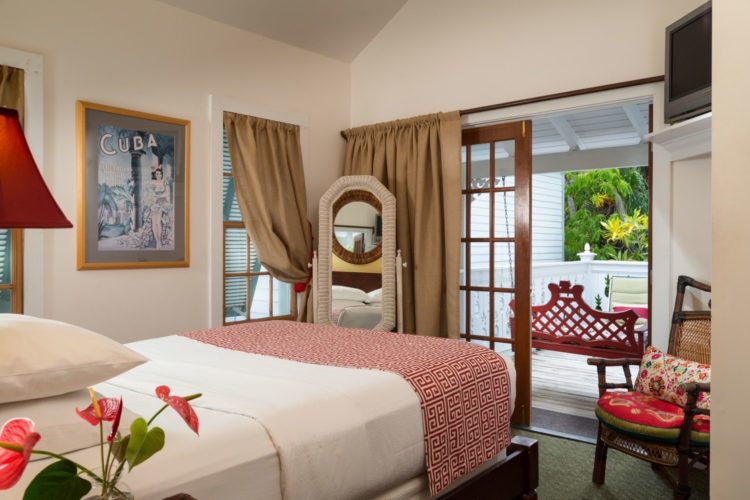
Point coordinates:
[(375, 297), (340, 304), (41, 357), (339, 292)]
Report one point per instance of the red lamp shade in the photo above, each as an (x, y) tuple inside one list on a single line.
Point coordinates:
[(25, 200)]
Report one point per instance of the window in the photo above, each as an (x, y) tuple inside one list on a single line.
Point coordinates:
[(11, 240), (11, 271), (250, 293)]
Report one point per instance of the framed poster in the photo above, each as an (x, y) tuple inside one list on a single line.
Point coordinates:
[(133, 180)]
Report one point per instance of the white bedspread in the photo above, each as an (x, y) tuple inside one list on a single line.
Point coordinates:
[(270, 428)]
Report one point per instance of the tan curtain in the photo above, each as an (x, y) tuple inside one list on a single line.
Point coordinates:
[(419, 160), (11, 89), (270, 186)]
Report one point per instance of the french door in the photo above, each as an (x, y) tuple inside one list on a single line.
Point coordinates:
[(496, 247)]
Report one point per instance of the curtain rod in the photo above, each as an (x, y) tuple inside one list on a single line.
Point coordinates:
[(559, 95)]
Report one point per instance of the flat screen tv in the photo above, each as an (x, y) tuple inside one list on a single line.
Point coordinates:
[(687, 77)]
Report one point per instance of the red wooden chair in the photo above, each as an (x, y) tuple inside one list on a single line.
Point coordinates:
[(567, 323)]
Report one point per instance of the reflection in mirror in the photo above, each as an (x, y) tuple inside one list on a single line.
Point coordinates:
[(357, 227), (356, 299)]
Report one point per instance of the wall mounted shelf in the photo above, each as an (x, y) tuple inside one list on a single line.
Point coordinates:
[(685, 140)]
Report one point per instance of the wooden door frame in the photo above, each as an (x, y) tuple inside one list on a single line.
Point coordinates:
[(529, 115), (520, 132), (650, 265)]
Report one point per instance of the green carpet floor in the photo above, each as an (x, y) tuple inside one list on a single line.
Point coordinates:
[(565, 473)]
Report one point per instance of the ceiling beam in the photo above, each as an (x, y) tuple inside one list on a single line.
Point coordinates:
[(590, 159), (636, 119), (566, 132)]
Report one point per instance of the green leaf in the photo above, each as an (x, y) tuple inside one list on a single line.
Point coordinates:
[(143, 443), (119, 447), (59, 481)]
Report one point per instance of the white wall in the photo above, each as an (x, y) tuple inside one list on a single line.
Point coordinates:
[(444, 55), (547, 217), (730, 178), (151, 57), (357, 213), (691, 225)]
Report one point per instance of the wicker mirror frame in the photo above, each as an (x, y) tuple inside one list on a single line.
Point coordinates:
[(322, 299), (338, 250)]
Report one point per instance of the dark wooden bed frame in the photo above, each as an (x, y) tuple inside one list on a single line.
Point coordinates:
[(516, 477), (364, 281)]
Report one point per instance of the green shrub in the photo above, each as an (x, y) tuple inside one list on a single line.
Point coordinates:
[(609, 210)]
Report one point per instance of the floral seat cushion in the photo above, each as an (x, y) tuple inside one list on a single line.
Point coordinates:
[(648, 418)]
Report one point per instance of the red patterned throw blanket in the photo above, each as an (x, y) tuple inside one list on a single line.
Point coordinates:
[(464, 389)]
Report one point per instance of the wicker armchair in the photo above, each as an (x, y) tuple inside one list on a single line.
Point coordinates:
[(682, 446)]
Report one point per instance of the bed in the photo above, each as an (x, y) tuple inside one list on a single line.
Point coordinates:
[(356, 300), (276, 426)]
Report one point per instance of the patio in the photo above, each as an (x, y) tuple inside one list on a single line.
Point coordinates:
[(564, 383), (564, 390)]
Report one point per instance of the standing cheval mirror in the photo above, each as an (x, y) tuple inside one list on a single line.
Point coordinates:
[(357, 270)]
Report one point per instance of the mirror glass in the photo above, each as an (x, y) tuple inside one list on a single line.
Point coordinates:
[(357, 227)]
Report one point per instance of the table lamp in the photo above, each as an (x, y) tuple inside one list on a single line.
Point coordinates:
[(25, 199)]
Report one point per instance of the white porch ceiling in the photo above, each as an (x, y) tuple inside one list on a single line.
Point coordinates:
[(335, 28), (613, 126)]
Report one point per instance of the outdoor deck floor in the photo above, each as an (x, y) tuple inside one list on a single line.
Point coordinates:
[(564, 383)]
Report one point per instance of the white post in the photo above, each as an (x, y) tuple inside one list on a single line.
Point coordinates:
[(589, 290), (400, 265), (587, 255)]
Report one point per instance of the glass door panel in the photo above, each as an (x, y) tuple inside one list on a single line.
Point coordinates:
[(495, 247)]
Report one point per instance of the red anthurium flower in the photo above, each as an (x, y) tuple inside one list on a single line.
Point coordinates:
[(180, 405), (18, 432), (106, 409), (116, 423)]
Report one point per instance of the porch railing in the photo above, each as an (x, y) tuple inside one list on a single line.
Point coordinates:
[(590, 274)]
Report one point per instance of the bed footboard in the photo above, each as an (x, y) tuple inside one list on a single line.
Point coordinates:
[(516, 477)]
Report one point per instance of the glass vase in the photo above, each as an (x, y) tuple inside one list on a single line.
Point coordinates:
[(116, 490)]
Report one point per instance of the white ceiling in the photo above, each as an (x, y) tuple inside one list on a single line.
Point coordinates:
[(335, 28)]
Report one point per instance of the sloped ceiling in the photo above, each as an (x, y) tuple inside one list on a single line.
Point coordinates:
[(335, 28)]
